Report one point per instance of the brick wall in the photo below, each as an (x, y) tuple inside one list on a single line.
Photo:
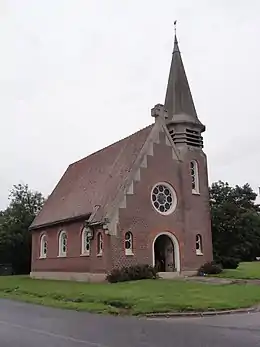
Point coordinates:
[(192, 216), (74, 261)]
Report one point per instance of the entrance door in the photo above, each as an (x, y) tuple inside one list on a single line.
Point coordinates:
[(164, 254)]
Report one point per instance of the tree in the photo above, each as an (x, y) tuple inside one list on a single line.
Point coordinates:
[(15, 238), (235, 222)]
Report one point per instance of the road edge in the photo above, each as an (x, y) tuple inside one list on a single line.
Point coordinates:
[(203, 313)]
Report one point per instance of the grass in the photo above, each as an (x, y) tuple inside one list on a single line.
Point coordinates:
[(139, 297), (244, 271)]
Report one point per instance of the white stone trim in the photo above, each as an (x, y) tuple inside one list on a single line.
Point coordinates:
[(112, 211), (167, 142), (84, 252), (150, 150), (176, 249), (199, 251), (60, 246), (196, 189), (174, 196), (100, 244), (112, 225), (137, 176), (128, 251), (130, 189), (175, 151), (144, 162), (43, 239), (157, 137), (123, 203)]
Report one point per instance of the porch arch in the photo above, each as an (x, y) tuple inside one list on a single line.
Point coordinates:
[(176, 246)]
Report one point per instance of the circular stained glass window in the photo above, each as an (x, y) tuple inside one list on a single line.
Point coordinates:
[(163, 198)]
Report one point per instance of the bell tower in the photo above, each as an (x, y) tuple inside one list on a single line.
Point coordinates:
[(186, 130), (183, 124)]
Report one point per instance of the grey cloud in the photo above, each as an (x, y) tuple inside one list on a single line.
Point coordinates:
[(78, 75)]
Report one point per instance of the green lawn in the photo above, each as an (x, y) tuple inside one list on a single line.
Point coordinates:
[(137, 297), (244, 271)]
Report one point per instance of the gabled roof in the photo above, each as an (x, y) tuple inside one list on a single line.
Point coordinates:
[(94, 180)]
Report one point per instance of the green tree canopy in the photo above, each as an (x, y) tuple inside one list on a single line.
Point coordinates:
[(235, 221), (15, 238)]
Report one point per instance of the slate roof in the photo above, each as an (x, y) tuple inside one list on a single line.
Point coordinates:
[(94, 180), (178, 100)]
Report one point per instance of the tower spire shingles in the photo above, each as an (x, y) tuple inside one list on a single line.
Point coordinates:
[(178, 98)]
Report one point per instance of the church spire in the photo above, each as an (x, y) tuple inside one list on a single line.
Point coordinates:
[(178, 100), (176, 46)]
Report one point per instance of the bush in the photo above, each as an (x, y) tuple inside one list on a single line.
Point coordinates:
[(210, 268), (132, 273), (229, 263)]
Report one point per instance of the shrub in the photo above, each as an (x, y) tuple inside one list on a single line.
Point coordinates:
[(132, 273), (229, 263), (210, 268)]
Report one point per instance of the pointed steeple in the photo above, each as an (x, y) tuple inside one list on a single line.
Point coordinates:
[(178, 101)]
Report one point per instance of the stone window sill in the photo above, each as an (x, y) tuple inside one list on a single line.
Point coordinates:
[(194, 192), (85, 255), (129, 253), (99, 254), (42, 257), (62, 256), (199, 253)]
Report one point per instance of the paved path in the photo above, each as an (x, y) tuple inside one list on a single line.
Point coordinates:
[(221, 280), (24, 325)]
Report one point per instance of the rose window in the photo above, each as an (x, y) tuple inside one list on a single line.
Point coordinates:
[(164, 198)]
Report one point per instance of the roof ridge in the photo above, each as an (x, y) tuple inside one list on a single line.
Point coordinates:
[(130, 176), (95, 181), (112, 144)]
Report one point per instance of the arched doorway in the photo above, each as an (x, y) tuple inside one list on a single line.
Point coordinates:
[(166, 253)]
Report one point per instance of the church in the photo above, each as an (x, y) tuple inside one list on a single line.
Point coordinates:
[(141, 200)]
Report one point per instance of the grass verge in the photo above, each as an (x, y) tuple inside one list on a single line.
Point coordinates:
[(139, 297), (245, 270)]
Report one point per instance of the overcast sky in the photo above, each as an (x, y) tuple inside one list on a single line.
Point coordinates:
[(77, 75)]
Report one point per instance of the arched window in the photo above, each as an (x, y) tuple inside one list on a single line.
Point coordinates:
[(85, 242), (194, 177), (99, 244), (199, 250), (63, 244), (43, 246), (128, 243)]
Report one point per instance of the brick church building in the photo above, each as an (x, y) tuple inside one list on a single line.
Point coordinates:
[(141, 200)]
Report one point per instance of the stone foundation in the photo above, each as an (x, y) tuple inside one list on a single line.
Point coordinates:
[(69, 276), (189, 273), (97, 277), (168, 275), (173, 275)]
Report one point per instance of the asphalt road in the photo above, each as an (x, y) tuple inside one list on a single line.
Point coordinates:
[(24, 325)]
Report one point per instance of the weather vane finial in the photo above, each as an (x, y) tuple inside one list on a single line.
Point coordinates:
[(175, 24)]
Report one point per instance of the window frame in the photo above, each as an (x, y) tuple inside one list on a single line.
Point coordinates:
[(198, 241), (61, 253), (195, 187), (100, 244), (84, 242), (173, 193), (128, 251), (43, 242)]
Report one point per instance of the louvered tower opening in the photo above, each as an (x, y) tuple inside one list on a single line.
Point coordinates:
[(189, 136)]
